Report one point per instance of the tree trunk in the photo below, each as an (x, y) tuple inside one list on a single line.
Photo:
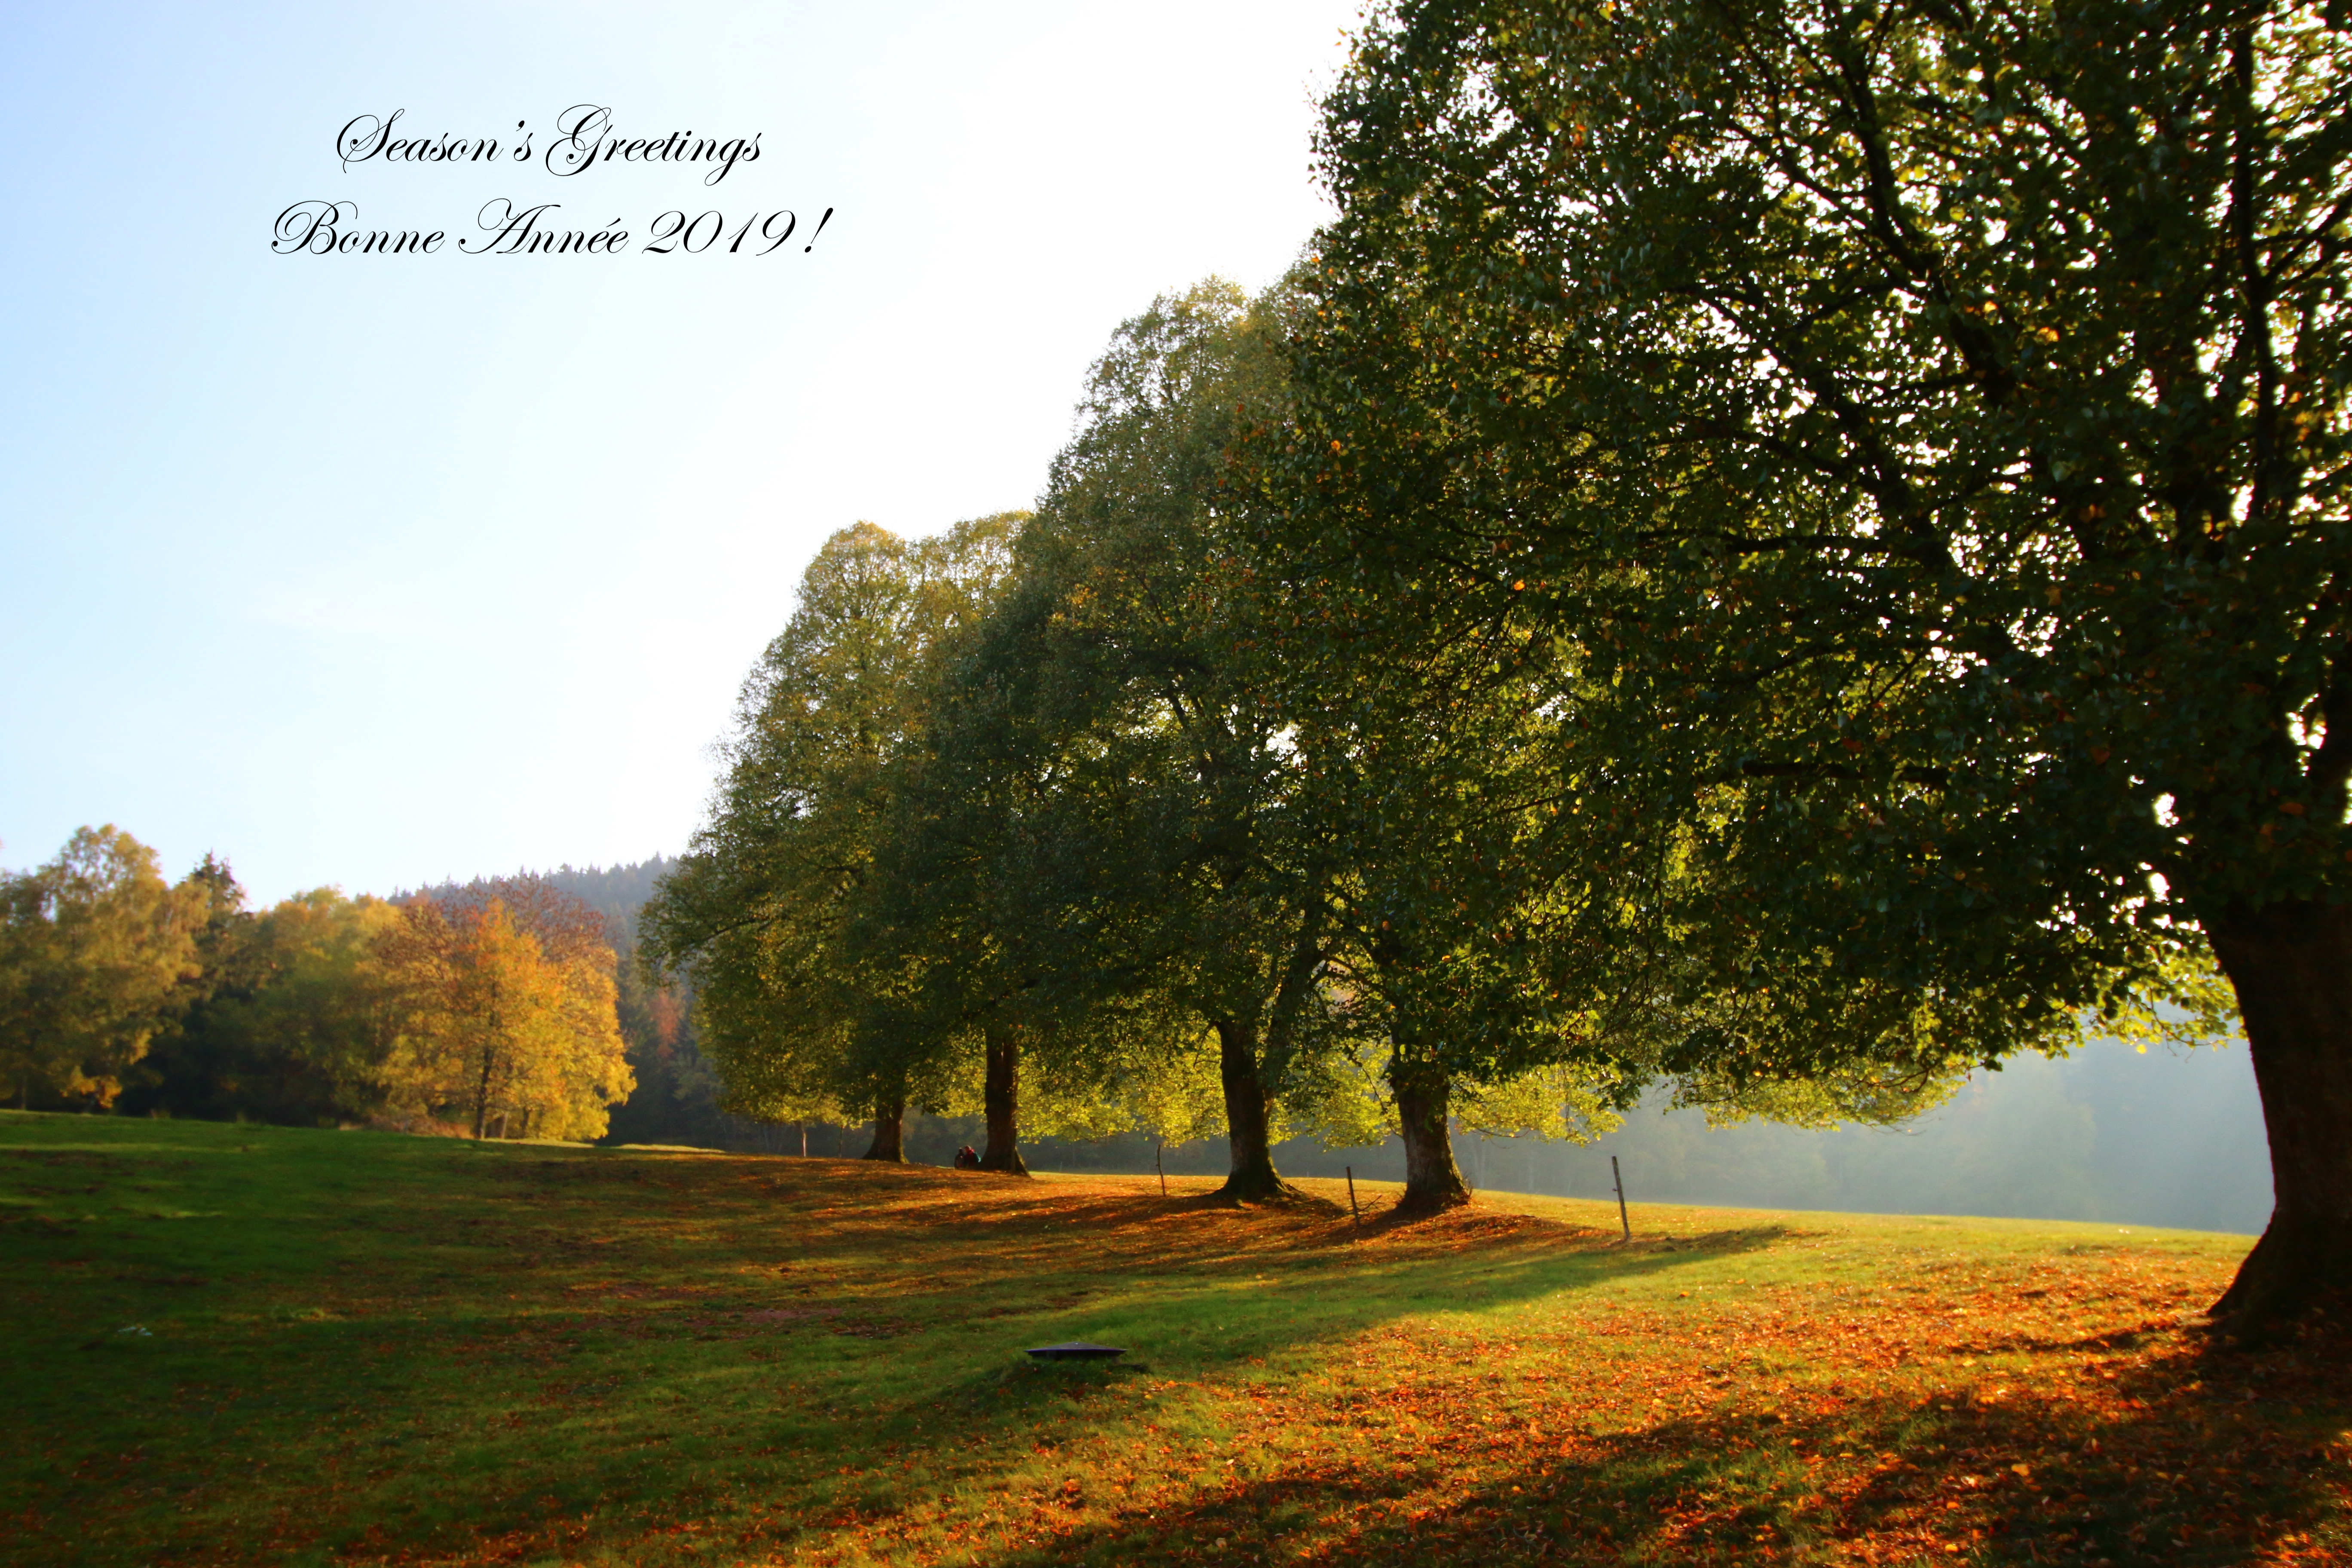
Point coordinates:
[(1001, 1100), (1253, 1178), (482, 1094), (1431, 1181), (890, 1124), (2291, 965)]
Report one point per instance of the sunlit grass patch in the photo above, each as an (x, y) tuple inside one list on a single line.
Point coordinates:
[(359, 1347)]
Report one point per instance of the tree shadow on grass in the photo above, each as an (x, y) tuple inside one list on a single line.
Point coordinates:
[(1204, 1316), (938, 1250), (1287, 1198), (1209, 1308), (1200, 1296)]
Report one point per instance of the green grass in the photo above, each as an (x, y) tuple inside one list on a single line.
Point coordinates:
[(247, 1343)]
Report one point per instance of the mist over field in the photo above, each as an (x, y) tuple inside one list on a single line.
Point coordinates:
[(2170, 1139)]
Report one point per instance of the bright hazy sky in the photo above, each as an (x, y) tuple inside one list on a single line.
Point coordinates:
[(370, 570)]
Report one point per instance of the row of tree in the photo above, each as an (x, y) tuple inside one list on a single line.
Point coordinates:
[(491, 1008), (1789, 550)]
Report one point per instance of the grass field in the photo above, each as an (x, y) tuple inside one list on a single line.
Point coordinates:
[(240, 1344)]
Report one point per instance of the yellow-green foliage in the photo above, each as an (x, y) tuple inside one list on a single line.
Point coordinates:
[(1344, 1100), (1172, 1093), (1560, 1103), (95, 950), (316, 991)]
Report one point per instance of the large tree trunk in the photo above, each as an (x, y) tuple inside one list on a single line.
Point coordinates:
[(890, 1124), (1431, 1181), (2290, 965), (1245, 1069), (1001, 1100), (1253, 1178)]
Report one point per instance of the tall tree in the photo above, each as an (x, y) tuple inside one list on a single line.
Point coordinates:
[(956, 861), (766, 910), (1926, 424), (1439, 775), (1144, 677), (1474, 948)]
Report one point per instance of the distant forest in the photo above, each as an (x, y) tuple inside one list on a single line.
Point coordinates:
[(504, 1007)]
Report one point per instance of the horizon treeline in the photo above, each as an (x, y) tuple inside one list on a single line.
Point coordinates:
[(493, 1009), (1774, 555)]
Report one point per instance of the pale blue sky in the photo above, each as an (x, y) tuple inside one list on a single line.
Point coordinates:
[(368, 570)]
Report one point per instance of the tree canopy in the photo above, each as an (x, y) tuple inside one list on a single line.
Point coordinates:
[(773, 909), (1924, 428)]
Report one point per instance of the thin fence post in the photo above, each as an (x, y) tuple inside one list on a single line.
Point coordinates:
[(1620, 1176), (1351, 1193)]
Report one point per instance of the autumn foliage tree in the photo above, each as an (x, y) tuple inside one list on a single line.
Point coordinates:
[(504, 1012)]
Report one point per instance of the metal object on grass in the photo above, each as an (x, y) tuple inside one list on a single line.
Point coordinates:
[(1075, 1350)]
